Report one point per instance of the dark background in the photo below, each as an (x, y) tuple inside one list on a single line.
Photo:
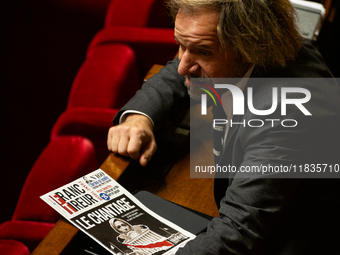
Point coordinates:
[(42, 45)]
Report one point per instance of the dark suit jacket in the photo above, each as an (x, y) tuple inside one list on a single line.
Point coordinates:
[(267, 215)]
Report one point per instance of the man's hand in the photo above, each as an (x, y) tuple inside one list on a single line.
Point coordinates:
[(133, 138)]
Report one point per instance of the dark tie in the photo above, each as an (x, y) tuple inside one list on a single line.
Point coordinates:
[(218, 132)]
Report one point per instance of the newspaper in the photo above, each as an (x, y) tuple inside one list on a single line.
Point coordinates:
[(108, 213)]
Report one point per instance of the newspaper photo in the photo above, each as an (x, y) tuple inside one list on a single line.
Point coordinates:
[(104, 210)]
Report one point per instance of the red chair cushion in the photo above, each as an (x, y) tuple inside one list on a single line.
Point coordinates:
[(12, 247), (146, 13), (107, 78), (29, 233), (151, 45), (92, 123), (62, 161)]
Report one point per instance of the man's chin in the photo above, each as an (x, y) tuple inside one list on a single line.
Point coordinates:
[(194, 92)]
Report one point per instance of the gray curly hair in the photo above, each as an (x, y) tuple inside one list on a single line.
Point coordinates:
[(262, 32)]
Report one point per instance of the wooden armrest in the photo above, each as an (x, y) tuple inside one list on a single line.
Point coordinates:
[(153, 70)]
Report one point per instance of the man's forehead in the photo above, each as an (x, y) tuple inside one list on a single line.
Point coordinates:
[(197, 28)]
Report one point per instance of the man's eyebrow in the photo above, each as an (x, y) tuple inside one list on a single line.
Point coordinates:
[(202, 47)]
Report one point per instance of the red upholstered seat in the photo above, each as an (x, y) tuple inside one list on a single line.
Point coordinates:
[(12, 247), (145, 25), (92, 123), (117, 59), (110, 76), (107, 78), (62, 161), (151, 45), (141, 13), (30, 233)]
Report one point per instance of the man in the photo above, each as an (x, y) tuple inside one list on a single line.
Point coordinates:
[(258, 214)]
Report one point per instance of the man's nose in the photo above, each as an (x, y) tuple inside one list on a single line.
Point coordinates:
[(187, 64)]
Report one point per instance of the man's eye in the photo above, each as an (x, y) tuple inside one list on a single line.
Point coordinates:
[(204, 53), (182, 47)]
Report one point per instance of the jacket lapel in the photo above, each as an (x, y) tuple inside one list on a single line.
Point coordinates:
[(229, 143)]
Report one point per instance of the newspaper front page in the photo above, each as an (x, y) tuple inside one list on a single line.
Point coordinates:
[(104, 210)]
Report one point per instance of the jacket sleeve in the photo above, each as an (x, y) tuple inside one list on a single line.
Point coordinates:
[(160, 96)]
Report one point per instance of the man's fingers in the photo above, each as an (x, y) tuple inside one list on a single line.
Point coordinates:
[(112, 142), (134, 147), (132, 137), (148, 152), (123, 145), (127, 142)]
